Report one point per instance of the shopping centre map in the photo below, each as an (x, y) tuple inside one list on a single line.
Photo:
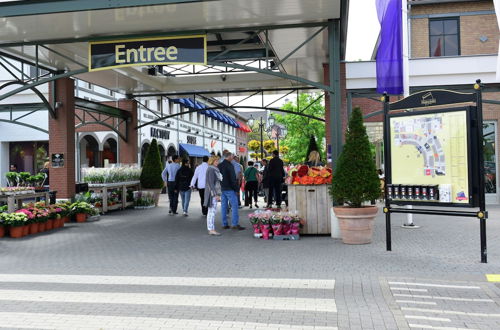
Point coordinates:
[(431, 149)]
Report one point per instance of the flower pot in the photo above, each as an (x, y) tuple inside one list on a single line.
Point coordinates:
[(26, 230), (2, 231), (81, 217), (256, 228), (156, 194), (41, 227), (49, 224), (33, 228), (66, 219), (16, 232), (287, 228), (294, 228), (356, 224), (265, 231), (277, 229)]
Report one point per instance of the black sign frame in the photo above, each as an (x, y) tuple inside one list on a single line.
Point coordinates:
[(428, 100)]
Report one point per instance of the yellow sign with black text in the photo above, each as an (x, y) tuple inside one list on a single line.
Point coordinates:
[(104, 55)]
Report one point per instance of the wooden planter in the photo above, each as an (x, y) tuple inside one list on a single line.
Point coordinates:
[(312, 203), (356, 224)]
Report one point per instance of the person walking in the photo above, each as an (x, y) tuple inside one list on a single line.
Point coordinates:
[(168, 176), (238, 169), (229, 187), (251, 176), (265, 179), (212, 192), (276, 174), (183, 183), (198, 182)]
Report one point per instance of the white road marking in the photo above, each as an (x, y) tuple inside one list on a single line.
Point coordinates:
[(443, 298), (425, 326), (418, 317), (436, 285), (440, 311), (409, 289), (274, 303), (417, 302), (173, 281), (71, 321)]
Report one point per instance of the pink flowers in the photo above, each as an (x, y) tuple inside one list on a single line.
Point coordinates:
[(29, 214)]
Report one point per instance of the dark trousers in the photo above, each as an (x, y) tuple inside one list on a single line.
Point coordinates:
[(204, 209), (274, 191), (173, 196), (251, 188)]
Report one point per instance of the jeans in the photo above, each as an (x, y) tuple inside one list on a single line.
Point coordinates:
[(229, 195), (173, 196), (204, 210), (185, 197)]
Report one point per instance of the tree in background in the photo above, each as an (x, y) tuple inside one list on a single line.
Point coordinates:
[(300, 129), (312, 146), (254, 146), (152, 168), (269, 146)]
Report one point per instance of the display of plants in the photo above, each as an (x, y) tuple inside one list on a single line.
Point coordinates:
[(14, 219), (80, 207), (95, 175), (267, 223), (315, 175), (143, 199), (12, 178)]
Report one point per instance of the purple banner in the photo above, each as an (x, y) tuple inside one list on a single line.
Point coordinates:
[(390, 49)]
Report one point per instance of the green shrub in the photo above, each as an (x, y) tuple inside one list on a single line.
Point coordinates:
[(152, 168), (355, 179)]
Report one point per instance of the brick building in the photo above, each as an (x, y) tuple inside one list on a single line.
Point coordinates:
[(452, 43)]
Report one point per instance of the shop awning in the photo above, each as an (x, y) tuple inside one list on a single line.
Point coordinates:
[(193, 151)]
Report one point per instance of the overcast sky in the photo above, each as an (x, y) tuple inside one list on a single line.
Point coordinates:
[(362, 31)]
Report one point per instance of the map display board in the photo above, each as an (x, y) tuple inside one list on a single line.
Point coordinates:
[(431, 149)]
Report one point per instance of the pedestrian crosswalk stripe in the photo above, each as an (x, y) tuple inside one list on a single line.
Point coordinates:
[(409, 289), (419, 317), (437, 285), (443, 298), (282, 283), (416, 302), (425, 326), (493, 277), (440, 311), (72, 321), (274, 303)]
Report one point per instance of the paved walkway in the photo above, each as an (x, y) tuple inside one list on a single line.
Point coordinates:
[(148, 270)]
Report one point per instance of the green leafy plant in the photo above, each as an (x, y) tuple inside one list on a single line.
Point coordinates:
[(14, 219), (24, 178), (80, 207), (355, 179), (152, 168), (12, 178)]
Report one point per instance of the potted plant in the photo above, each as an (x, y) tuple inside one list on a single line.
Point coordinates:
[(255, 221), (16, 223), (355, 181), (80, 210), (151, 171)]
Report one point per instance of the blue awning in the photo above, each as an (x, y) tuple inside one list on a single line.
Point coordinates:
[(193, 151)]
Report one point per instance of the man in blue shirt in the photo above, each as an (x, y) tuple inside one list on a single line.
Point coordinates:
[(229, 187), (168, 176)]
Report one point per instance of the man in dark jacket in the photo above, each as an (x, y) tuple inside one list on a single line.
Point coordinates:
[(229, 187), (276, 173)]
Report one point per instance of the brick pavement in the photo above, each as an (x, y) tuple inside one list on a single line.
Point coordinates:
[(145, 269)]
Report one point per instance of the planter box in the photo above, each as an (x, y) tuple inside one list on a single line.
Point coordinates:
[(313, 203)]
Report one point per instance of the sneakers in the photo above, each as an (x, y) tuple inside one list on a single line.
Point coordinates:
[(185, 214), (256, 206), (213, 233), (226, 227), (250, 206), (170, 212), (238, 227)]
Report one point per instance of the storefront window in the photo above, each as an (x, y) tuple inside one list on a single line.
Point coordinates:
[(28, 156), (489, 151)]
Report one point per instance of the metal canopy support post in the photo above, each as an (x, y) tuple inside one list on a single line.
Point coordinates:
[(480, 153), (387, 172), (334, 89)]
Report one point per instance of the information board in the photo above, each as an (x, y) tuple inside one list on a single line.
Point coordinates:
[(429, 154)]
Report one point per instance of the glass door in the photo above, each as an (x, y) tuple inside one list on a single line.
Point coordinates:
[(490, 161)]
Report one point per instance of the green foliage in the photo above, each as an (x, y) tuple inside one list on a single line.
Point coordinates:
[(152, 168), (254, 145), (355, 179), (312, 146), (81, 207), (300, 129), (12, 178)]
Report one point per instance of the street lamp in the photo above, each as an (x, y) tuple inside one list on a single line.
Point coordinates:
[(276, 130), (251, 121)]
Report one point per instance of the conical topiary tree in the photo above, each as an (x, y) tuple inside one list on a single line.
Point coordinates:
[(152, 168), (355, 179), (312, 146)]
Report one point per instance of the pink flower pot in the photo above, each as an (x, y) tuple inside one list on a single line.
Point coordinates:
[(277, 229), (256, 228), (265, 231), (287, 228), (295, 228)]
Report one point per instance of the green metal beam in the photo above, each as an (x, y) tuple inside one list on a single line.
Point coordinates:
[(100, 108), (157, 34), (335, 97), (23, 124), (40, 7), (22, 107), (120, 134), (243, 54), (31, 86), (273, 73)]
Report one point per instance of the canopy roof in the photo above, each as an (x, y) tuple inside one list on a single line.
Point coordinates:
[(61, 29)]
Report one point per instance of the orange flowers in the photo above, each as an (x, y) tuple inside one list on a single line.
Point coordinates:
[(303, 174)]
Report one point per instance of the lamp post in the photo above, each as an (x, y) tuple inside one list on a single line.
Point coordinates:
[(276, 130), (251, 121)]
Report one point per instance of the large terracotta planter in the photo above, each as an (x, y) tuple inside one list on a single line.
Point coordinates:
[(41, 227), (33, 228), (156, 193), (356, 224), (2, 231), (49, 224), (66, 219), (16, 232), (26, 230), (81, 217)]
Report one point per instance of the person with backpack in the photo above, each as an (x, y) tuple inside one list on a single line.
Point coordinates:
[(251, 176), (183, 184)]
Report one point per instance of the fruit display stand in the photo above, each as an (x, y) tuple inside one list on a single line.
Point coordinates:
[(122, 186), (313, 203), (15, 200)]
